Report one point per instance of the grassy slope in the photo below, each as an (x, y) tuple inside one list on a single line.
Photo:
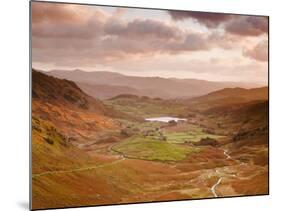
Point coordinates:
[(68, 119), (58, 109), (50, 153), (51, 150)]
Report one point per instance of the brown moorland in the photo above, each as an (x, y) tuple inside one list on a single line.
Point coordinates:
[(80, 147)]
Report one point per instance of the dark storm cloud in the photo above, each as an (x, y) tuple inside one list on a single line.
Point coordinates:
[(234, 24), (208, 19), (248, 26)]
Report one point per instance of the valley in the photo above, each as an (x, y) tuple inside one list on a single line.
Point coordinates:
[(90, 151)]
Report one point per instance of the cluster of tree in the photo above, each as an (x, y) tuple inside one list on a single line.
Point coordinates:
[(129, 131), (207, 141), (155, 133)]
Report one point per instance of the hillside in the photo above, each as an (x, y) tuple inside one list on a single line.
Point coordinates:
[(65, 105), (55, 90), (248, 116), (79, 143), (253, 116), (64, 118), (148, 86), (239, 113), (45, 139), (228, 97)]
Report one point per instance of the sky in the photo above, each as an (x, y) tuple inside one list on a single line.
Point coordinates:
[(145, 42)]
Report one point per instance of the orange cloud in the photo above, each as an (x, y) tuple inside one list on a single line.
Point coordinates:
[(58, 13)]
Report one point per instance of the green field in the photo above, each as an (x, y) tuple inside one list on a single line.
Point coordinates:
[(151, 149)]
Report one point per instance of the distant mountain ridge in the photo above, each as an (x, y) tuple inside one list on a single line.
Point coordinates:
[(102, 91), (110, 84)]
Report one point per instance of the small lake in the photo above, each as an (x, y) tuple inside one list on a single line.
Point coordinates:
[(164, 119)]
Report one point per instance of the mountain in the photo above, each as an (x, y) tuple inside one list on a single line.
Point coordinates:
[(63, 119), (54, 90), (236, 112), (63, 104), (111, 84), (225, 98)]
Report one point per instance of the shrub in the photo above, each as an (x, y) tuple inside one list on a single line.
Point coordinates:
[(48, 140)]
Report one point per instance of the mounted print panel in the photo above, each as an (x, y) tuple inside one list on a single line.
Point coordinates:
[(134, 105)]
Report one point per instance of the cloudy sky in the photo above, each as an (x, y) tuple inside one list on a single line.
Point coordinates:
[(217, 47)]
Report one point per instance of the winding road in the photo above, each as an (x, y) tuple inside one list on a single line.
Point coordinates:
[(81, 169), (78, 169)]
